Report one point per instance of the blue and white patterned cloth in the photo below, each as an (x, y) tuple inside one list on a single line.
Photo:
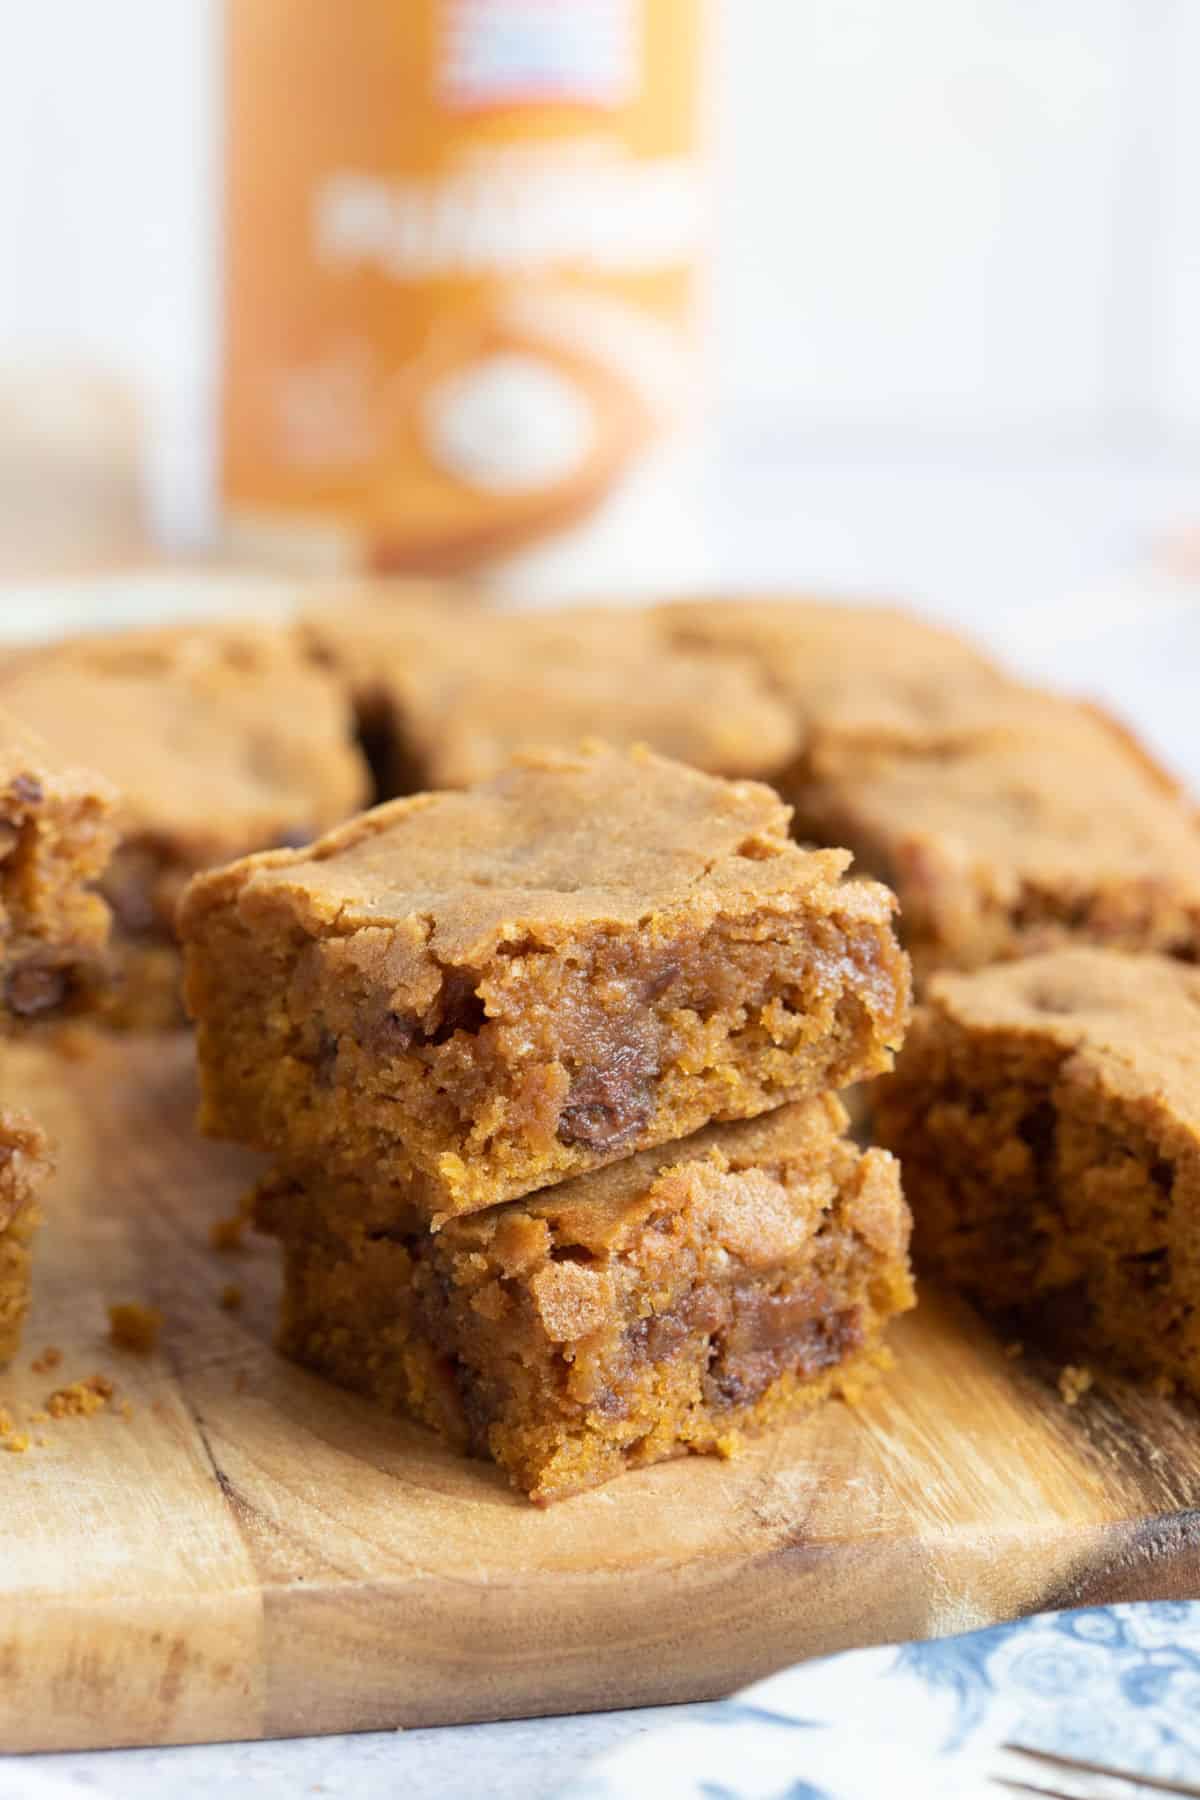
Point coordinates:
[(1116, 1685)]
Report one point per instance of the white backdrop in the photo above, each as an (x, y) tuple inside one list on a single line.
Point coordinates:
[(938, 220)]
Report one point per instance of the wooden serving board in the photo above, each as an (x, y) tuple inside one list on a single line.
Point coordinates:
[(253, 1553)]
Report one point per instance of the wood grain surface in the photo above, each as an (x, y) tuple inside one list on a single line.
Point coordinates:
[(252, 1553)]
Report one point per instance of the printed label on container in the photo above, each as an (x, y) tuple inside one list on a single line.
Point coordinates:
[(531, 52), (461, 252)]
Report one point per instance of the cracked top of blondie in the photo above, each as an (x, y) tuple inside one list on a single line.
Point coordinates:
[(219, 737), (1129, 1023), (556, 842)]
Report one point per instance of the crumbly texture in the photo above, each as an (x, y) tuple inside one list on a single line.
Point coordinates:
[(24, 1169), (465, 997), (665, 1305), (1047, 1114), (221, 739), (459, 697), (80, 1399), (56, 835), (1061, 832)]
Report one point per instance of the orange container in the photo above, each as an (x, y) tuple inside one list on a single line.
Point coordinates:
[(462, 246)]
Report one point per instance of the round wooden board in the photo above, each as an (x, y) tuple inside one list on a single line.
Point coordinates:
[(252, 1553)]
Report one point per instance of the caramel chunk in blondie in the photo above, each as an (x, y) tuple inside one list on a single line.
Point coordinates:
[(1047, 1114), (666, 1304), (470, 996)]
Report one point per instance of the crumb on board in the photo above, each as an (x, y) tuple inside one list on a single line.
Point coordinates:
[(80, 1399), (1073, 1383), (228, 1235), (1014, 1350), (10, 1437), (126, 1410), (132, 1326), (49, 1359), (231, 1296)]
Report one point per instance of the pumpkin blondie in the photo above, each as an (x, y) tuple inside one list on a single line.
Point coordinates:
[(1047, 1114), (467, 996), (221, 739), (1059, 830), (24, 1166), (971, 794), (445, 700), (852, 673), (56, 835), (663, 1305)]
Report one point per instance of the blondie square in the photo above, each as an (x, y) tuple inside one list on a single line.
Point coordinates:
[(549, 681), (24, 1166), (56, 835), (1063, 831), (467, 996), (446, 698), (870, 675), (1047, 1114), (665, 1304), (221, 739)]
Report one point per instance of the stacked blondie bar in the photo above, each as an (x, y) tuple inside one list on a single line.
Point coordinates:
[(56, 834), (548, 1070)]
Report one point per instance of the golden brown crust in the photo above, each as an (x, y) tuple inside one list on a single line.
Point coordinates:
[(867, 674), (596, 836), (549, 681), (218, 737), (973, 795), (459, 696)]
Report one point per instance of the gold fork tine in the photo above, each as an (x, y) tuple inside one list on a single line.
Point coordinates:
[(1048, 1766)]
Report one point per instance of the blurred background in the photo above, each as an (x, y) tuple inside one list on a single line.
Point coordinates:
[(949, 292)]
